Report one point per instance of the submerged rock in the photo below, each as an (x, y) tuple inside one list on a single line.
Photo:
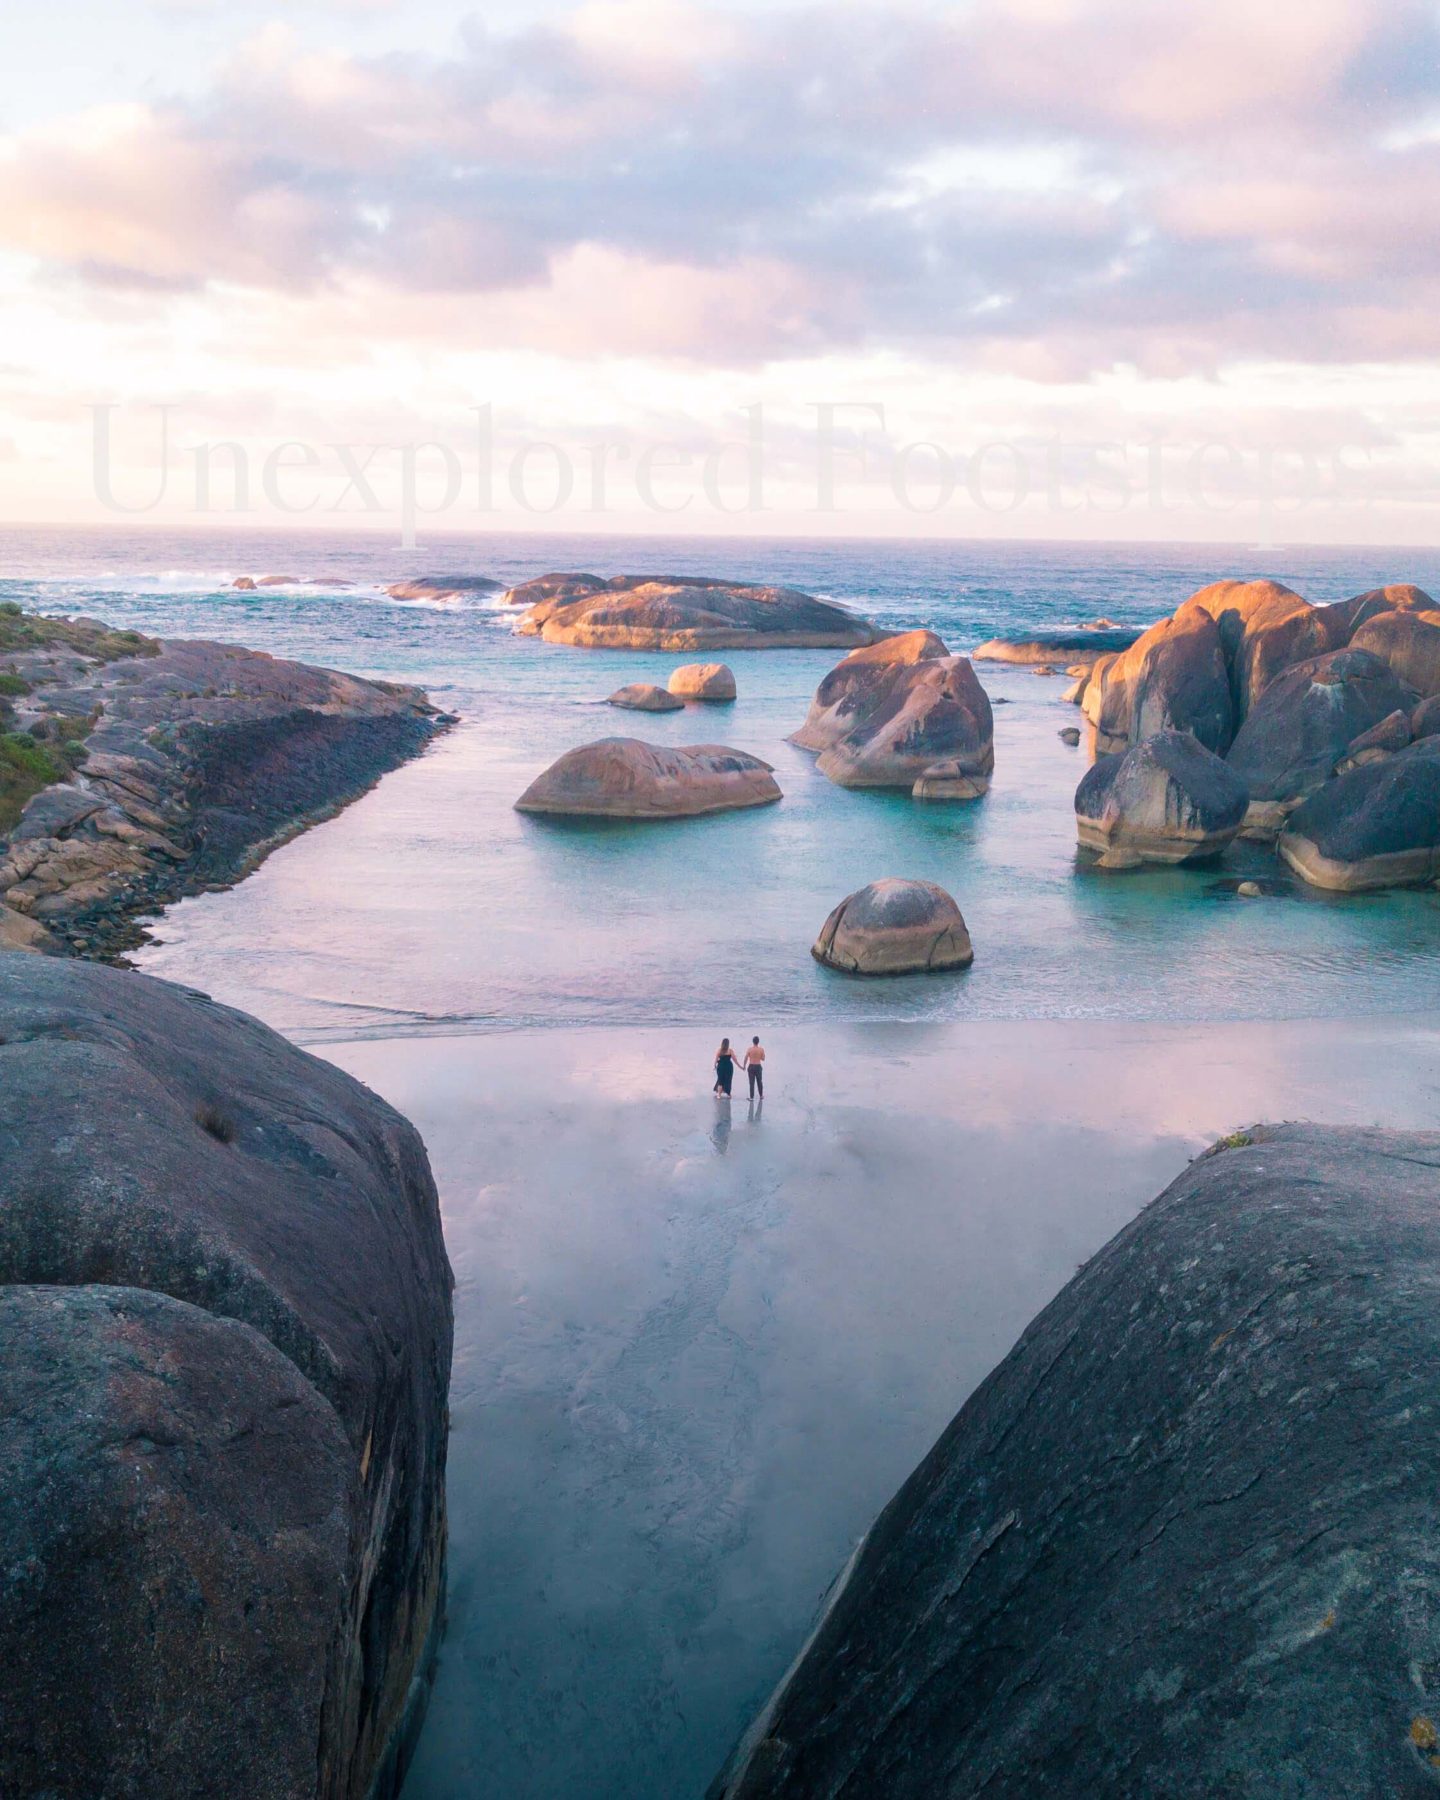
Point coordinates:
[(1303, 725), (445, 590), (1181, 1542), (886, 715), (1083, 645), (644, 696), (1376, 827), (1167, 800), (703, 681), (625, 778), (682, 612), (895, 927), (225, 1337)]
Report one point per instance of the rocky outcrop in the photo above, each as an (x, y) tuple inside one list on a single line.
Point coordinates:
[(1174, 678), (703, 681), (169, 767), (1264, 628), (1083, 645), (895, 927), (1167, 800), (1181, 1542), (644, 696), (1376, 826), (888, 714), (1409, 642), (625, 778), (446, 590), (225, 1335), (1303, 725), (681, 612), (1392, 734), (1400, 596)]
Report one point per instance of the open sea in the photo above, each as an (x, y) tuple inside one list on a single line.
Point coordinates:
[(434, 906)]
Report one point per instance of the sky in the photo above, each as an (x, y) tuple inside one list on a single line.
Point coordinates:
[(1052, 268)]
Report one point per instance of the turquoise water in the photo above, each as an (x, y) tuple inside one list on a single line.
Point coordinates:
[(433, 905)]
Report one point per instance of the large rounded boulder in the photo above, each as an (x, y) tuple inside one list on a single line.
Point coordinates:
[(888, 714), (225, 1332), (683, 612), (703, 681), (1400, 596), (1409, 642), (1174, 678), (895, 927), (1264, 628), (1377, 826), (1303, 725), (1168, 800), (1181, 1543), (626, 778)]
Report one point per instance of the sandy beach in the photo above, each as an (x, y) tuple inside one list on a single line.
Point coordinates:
[(696, 1351)]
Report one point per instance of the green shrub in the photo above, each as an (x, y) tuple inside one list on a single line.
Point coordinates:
[(24, 770), (14, 685)]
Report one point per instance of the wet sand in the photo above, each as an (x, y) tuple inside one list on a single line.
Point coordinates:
[(697, 1350)]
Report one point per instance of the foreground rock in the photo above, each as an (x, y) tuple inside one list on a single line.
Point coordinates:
[(1304, 724), (1168, 800), (680, 612), (888, 714), (644, 696), (150, 770), (625, 778), (703, 681), (225, 1339), (1377, 826), (895, 927), (1070, 647), (1181, 1542)]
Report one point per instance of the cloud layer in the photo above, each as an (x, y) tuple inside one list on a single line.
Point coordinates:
[(1043, 186)]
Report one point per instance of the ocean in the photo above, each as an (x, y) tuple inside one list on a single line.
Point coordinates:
[(433, 906)]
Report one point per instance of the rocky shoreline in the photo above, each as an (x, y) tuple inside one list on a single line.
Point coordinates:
[(141, 770)]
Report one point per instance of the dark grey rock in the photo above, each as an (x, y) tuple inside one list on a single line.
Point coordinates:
[(1376, 826), (1166, 800), (1182, 1542), (1382, 740), (1303, 723), (228, 1255)]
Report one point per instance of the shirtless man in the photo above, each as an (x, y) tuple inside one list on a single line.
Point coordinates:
[(754, 1067)]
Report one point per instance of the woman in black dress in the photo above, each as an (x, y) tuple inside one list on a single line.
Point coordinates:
[(724, 1068)]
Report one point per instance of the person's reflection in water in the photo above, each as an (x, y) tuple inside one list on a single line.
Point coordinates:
[(757, 1110), (720, 1135)]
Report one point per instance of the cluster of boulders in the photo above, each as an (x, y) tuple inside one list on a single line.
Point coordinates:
[(172, 766), (710, 683), (1323, 717)]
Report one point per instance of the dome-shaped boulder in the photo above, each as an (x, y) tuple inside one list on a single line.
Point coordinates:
[(895, 927), (703, 681), (1409, 642), (1174, 678), (1376, 827), (1168, 800), (625, 778)]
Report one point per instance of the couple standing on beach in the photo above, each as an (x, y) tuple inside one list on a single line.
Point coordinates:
[(753, 1063)]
